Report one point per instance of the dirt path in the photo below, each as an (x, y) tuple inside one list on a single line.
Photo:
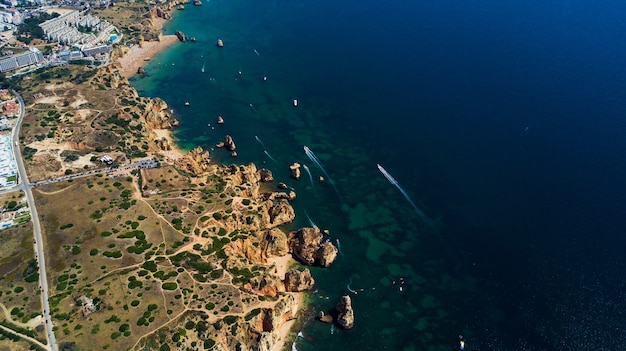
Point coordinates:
[(31, 324)]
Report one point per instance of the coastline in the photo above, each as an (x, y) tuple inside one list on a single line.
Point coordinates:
[(137, 56), (130, 62)]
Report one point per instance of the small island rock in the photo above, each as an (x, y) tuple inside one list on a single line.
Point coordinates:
[(220, 120), (229, 143), (295, 170), (345, 313)]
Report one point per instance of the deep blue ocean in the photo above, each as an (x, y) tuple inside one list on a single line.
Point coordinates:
[(504, 122)]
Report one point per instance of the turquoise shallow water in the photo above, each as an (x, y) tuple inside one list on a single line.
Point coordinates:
[(502, 121)]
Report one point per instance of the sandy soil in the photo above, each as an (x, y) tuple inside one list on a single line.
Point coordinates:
[(138, 56), (31, 324), (282, 263)]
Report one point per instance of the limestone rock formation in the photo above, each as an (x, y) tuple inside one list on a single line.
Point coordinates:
[(306, 245), (157, 115), (275, 243), (282, 185), (268, 322), (325, 318), (196, 161), (265, 284), (326, 254), (220, 120), (229, 143), (295, 170), (281, 212), (345, 313), (296, 280), (266, 175), (181, 36)]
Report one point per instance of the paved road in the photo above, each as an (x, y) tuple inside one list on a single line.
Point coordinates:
[(25, 186)]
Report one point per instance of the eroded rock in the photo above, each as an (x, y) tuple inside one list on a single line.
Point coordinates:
[(306, 245), (345, 313), (295, 170), (296, 280)]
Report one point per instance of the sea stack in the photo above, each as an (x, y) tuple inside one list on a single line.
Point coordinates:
[(220, 43), (295, 170), (345, 313), (220, 120)]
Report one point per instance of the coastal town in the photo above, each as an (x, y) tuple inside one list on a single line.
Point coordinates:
[(113, 236)]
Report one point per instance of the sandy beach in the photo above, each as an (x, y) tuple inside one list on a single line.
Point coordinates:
[(138, 56), (175, 153)]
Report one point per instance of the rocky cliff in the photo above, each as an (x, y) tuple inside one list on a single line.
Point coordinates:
[(197, 161), (306, 245)]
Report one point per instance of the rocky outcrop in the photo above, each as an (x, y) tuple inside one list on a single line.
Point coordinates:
[(220, 120), (197, 161), (268, 322), (275, 243), (295, 170), (324, 317), (266, 175), (296, 280), (181, 36), (163, 144), (279, 195), (158, 12), (306, 245), (326, 254), (345, 313), (157, 115), (228, 143), (281, 212), (265, 285)]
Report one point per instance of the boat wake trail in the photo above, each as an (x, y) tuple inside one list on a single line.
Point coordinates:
[(350, 289), (310, 221), (270, 156), (257, 53), (393, 181), (317, 162), (339, 247), (202, 68), (419, 212), (306, 168), (254, 108), (260, 142)]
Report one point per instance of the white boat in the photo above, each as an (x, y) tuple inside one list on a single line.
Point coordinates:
[(295, 102)]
